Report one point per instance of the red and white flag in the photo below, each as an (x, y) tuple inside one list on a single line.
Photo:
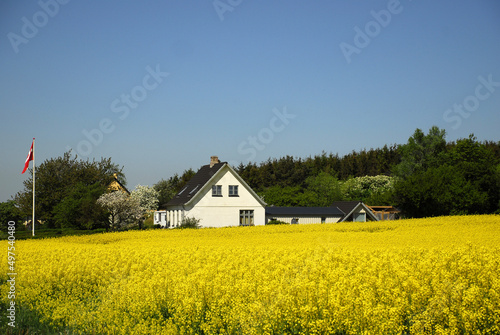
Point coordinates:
[(29, 158)]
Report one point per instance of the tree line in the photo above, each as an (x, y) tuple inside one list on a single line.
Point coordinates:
[(427, 176)]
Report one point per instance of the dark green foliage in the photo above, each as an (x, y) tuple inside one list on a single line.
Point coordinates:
[(288, 171), (79, 208), (439, 179), (421, 152), (166, 189), (274, 222), (288, 196), (169, 188), (433, 177), (325, 188), (479, 167), (57, 177), (9, 212), (437, 191)]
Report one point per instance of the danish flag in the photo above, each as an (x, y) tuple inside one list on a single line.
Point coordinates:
[(29, 158)]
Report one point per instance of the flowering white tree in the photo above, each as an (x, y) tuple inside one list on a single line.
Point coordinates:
[(147, 197), (364, 188), (123, 209)]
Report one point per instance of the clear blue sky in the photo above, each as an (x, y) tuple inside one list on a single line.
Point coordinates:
[(160, 86)]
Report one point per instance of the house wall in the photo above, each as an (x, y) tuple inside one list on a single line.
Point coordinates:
[(358, 210), (223, 211), (215, 211), (169, 218), (304, 220)]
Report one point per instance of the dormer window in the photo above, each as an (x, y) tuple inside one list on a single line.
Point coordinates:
[(217, 191)]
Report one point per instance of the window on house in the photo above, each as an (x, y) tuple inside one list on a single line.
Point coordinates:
[(246, 218), (233, 190), (217, 191), (323, 219)]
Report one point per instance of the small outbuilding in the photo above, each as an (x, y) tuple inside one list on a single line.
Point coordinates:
[(355, 211), (300, 215)]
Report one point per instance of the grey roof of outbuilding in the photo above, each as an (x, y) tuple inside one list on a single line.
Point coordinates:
[(304, 211), (195, 184), (345, 206), (348, 207)]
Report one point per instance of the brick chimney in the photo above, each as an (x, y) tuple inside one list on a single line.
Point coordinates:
[(214, 160)]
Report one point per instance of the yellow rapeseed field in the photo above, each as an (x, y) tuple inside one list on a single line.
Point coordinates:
[(423, 276)]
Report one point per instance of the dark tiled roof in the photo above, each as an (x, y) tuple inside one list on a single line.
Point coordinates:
[(195, 184), (346, 206), (304, 211)]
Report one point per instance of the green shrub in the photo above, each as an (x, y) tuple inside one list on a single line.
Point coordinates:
[(274, 221), (188, 222)]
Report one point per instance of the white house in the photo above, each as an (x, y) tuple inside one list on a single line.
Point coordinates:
[(217, 196)]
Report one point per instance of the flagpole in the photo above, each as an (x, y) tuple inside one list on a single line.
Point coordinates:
[(33, 217)]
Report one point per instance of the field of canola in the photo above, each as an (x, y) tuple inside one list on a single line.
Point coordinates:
[(425, 276)]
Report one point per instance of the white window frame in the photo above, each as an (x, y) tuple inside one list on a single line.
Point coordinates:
[(247, 217), (217, 191), (233, 191)]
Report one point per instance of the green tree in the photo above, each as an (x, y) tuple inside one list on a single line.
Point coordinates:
[(325, 188), (421, 152), (9, 212), (167, 189), (375, 190), (79, 209), (288, 196), (442, 190), (57, 177), (478, 165), (463, 179)]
